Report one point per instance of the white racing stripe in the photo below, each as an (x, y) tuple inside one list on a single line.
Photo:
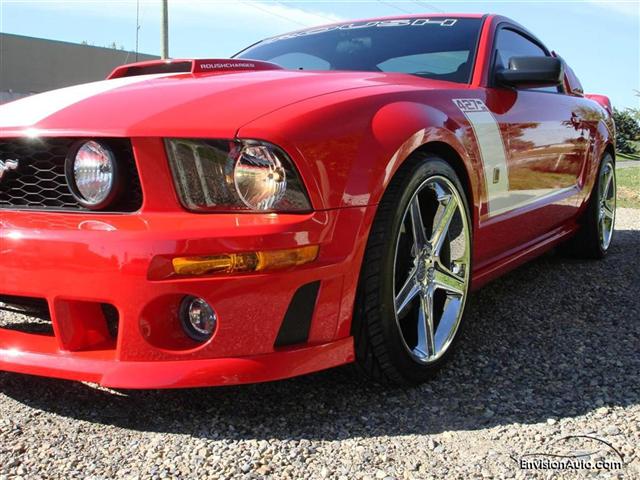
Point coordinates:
[(492, 152), (28, 111)]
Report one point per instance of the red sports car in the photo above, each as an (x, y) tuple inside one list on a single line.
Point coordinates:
[(326, 196)]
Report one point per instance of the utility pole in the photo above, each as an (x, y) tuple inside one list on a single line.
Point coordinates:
[(164, 34), (137, 26)]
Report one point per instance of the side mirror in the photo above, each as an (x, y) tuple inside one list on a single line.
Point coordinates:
[(531, 72)]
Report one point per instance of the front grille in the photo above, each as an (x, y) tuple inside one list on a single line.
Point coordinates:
[(39, 181), (32, 315), (25, 314)]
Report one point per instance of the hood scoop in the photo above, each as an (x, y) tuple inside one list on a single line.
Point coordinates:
[(216, 65)]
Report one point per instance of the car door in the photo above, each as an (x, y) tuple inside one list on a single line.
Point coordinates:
[(532, 189)]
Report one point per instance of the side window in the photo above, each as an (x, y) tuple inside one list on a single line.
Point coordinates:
[(453, 65), (511, 44)]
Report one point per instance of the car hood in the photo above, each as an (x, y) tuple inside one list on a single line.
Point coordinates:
[(184, 104)]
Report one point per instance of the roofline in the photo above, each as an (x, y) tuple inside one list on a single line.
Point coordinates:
[(417, 15), (64, 42)]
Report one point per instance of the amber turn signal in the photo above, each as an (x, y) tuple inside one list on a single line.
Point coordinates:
[(245, 262)]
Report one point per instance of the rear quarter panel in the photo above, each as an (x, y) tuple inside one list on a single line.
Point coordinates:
[(598, 122)]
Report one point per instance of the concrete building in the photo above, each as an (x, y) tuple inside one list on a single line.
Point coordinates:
[(32, 65)]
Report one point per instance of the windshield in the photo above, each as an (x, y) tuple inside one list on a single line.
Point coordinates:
[(438, 48)]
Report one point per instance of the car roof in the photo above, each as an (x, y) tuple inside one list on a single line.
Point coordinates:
[(419, 15), (399, 17)]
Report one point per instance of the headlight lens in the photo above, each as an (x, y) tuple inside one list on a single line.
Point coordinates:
[(91, 174), (228, 175), (259, 177)]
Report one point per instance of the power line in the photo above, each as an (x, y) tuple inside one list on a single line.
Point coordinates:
[(423, 4), (388, 4), (315, 14), (256, 6)]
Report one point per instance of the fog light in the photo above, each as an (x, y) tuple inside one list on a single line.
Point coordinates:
[(198, 318)]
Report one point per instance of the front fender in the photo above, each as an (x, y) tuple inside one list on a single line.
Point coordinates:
[(408, 126), (349, 146)]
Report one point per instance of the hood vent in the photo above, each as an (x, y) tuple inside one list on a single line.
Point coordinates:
[(216, 65)]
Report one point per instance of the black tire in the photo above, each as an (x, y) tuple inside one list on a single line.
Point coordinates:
[(586, 243), (380, 352)]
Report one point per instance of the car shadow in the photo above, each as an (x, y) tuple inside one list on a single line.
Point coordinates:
[(555, 338)]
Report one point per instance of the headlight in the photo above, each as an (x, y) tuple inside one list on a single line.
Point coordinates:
[(259, 177), (91, 174), (241, 175)]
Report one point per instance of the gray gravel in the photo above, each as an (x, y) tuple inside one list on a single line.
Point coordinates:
[(627, 164), (552, 349)]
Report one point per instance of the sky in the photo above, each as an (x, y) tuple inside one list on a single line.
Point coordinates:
[(600, 39)]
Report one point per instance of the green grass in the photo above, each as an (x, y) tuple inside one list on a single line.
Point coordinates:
[(628, 183)]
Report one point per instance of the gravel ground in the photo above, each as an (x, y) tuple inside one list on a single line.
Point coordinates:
[(627, 164), (552, 349)]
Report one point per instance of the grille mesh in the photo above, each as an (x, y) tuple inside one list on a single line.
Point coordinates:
[(39, 181)]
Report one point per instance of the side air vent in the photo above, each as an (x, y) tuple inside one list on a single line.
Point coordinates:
[(297, 321)]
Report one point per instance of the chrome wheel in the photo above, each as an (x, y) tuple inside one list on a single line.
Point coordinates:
[(431, 269), (606, 204)]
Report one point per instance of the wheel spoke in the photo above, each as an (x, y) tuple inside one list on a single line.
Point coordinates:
[(610, 202), (604, 183), (603, 226), (441, 225), (407, 293), (450, 313), (608, 211), (445, 279), (608, 181), (426, 339), (417, 225)]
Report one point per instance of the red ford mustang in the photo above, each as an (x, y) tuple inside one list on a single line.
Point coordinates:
[(326, 196)]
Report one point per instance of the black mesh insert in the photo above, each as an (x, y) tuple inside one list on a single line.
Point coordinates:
[(39, 181)]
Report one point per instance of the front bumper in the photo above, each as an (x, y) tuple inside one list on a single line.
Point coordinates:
[(104, 369), (77, 262)]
